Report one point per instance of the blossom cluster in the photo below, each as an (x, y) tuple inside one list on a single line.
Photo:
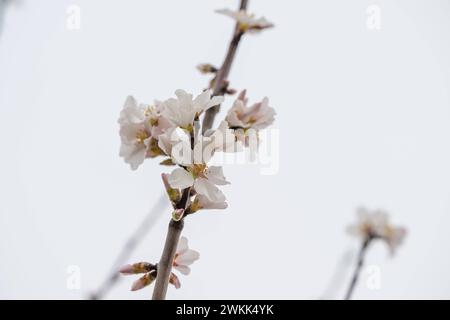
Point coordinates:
[(375, 225), (171, 129)]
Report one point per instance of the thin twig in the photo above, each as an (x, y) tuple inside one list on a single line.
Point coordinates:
[(128, 248), (337, 279), (358, 268), (223, 72)]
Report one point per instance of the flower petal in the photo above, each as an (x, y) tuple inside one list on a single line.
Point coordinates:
[(187, 258), (134, 155), (173, 279), (181, 179), (209, 190), (215, 175), (182, 245), (183, 269)]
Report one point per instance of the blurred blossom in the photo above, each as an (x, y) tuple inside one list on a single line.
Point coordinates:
[(247, 22), (375, 225)]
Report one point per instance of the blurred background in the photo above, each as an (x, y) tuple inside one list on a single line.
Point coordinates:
[(363, 115)]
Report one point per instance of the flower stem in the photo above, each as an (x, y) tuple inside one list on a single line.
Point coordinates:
[(224, 71), (358, 268)]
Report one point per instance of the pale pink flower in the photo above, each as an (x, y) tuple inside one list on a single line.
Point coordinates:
[(247, 22), (259, 116), (184, 257), (140, 126)]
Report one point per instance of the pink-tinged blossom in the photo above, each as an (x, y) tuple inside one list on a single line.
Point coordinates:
[(247, 22), (259, 116), (184, 257), (375, 225), (140, 127)]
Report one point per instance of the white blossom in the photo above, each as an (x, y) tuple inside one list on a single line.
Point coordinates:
[(140, 127), (246, 21), (184, 257), (259, 116), (182, 111), (194, 171), (202, 202), (375, 225), (202, 178)]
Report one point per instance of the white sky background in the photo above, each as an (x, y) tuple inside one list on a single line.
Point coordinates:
[(363, 117)]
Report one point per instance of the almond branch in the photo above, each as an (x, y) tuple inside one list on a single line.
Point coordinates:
[(224, 71), (175, 227)]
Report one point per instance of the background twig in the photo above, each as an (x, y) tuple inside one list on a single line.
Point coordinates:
[(128, 248), (358, 268)]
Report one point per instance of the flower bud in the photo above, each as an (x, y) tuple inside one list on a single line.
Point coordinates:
[(140, 267), (144, 281), (206, 68), (173, 279), (174, 194), (177, 214)]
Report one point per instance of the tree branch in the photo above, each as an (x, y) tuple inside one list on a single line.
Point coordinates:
[(165, 264), (175, 227), (223, 72)]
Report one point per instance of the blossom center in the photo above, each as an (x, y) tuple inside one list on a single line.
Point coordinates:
[(198, 170), (141, 136)]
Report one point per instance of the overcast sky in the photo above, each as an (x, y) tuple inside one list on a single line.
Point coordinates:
[(363, 118)]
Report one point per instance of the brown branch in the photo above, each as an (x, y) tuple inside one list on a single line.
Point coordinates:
[(165, 264), (224, 71), (175, 227), (358, 268), (170, 248)]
